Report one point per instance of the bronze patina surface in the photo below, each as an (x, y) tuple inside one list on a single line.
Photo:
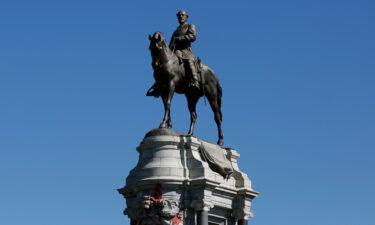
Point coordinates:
[(176, 70)]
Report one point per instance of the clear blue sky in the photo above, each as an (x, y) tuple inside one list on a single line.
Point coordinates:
[(298, 104)]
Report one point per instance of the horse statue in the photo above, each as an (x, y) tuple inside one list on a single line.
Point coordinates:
[(170, 77)]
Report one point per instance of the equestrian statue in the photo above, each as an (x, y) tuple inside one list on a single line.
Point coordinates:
[(176, 70)]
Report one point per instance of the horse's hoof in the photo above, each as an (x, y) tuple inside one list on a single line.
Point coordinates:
[(220, 142), (163, 125), (190, 133)]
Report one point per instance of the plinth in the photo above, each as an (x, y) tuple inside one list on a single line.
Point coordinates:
[(182, 180)]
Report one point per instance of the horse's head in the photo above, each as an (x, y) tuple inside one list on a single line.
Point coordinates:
[(160, 51), (157, 42)]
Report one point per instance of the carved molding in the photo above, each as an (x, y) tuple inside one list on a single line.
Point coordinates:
[(241, 214), (201, 205)]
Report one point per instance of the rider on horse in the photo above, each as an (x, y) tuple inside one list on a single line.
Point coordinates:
[(181, 45)]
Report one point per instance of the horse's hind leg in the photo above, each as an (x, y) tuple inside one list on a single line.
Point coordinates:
[(217, 115), (192, 103), (169, 122)]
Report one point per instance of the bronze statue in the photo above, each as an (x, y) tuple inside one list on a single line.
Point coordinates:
[(180, 45), (176, 70)]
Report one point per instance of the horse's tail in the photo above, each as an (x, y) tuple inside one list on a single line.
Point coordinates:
[(219, 95)]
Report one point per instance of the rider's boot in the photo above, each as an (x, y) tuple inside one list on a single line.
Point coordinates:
[(154, 91)]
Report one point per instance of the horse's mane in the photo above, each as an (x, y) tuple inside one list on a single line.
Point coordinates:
[(158, 35)]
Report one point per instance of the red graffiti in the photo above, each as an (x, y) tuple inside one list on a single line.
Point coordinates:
[(156, 200), (176, 220)]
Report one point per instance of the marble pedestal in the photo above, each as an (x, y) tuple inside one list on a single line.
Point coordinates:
[(174, 184)]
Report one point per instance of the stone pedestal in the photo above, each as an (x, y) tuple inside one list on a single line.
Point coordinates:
[(176, 182)]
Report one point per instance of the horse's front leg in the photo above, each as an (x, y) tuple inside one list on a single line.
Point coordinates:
[(167, 99), (163, 124)]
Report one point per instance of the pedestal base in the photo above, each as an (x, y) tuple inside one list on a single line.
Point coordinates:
[(177, 182)]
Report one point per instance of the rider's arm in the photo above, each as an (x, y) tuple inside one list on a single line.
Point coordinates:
[(190, 35)]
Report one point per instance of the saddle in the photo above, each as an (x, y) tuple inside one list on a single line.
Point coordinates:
[(197, 65)]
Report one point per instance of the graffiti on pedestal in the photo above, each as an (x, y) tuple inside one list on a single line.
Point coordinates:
[(156, 210)]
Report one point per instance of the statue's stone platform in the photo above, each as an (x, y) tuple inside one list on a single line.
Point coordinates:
[(180, 179)]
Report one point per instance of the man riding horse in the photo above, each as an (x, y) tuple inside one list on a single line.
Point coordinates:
[(172, 76), (180, 44)]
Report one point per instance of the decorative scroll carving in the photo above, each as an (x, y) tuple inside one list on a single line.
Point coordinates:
[(156, 210), (242, 214), (169, 208)]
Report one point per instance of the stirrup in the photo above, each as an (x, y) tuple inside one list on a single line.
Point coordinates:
[(152, 92)]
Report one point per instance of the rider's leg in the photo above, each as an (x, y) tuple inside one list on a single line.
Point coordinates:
[(193, 72)]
